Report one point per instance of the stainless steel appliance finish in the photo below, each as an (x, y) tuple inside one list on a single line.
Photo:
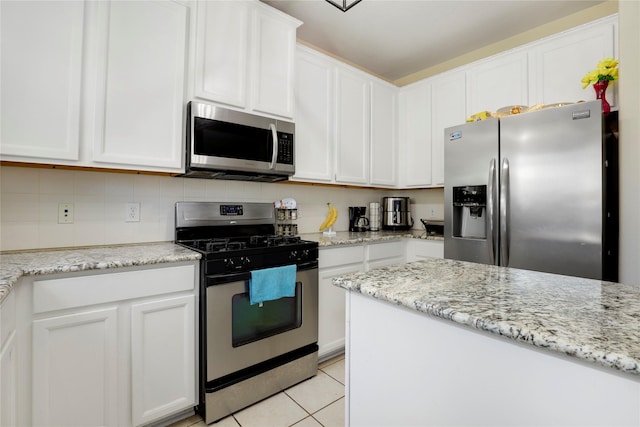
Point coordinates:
[(395, 213), (535, 191), (228, 144), (248, 352)]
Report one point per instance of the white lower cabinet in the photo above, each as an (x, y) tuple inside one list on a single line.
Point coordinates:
[(115, 348), (334, 262), (418, 249), (75, 364), (162, 358), (338, 261), (8, 362), (8, 383), (383, 254)]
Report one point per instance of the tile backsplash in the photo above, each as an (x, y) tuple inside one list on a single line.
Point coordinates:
[(30, 197)]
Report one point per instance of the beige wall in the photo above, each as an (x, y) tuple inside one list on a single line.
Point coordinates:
[(629, 115), (600, 11), (30, 196)]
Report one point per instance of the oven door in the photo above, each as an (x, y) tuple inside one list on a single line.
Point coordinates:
[(240, 335)]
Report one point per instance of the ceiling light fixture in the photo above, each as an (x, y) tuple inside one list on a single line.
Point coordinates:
[(346, 4)]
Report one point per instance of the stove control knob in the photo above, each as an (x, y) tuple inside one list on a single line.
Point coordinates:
[(293, 255), (305, 254), (246, 261), (229, 263)]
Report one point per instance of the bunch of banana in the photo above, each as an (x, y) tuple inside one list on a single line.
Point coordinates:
[(332, 216)]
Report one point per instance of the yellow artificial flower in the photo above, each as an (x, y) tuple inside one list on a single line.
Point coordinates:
[(607, 70)]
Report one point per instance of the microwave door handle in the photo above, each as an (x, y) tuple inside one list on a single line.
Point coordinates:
[(274, 155)]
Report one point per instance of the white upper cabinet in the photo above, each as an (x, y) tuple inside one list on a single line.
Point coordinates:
[(273, 61), (314, 119), (447, 109), (41, 78), (500, 81), (352, 127), (245, 56), (97, 84), (558, 64), (415, 135), (140, 84), (384, 147), (222, 43), (345, 123)]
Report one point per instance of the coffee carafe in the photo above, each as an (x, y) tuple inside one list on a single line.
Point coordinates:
[(357, 219)]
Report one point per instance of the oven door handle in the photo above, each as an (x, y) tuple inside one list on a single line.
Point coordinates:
[(221, 279)]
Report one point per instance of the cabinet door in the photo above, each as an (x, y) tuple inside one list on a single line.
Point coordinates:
[(41, 77), (140, 102), (334, 262), (75, 360), (415, 135), (331, 310), (8, 384), (499, 82), (222, 51), (560, 63), (383, 135), (162, 358), (314, 118), (447, 109), (352, 127), (273, 61)]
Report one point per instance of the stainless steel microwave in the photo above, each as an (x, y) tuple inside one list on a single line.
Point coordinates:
[(228, 144)]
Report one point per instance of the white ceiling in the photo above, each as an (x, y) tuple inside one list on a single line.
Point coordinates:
[(396, 38)]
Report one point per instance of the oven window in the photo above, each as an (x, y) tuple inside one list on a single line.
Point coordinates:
[(252, 322)]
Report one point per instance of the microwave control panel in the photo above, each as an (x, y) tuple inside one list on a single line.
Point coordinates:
[(285, 148)]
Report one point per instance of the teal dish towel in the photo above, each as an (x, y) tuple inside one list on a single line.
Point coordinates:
[(272, 283)]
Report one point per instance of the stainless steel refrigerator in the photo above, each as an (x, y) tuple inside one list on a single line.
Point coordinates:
[(536, 191)]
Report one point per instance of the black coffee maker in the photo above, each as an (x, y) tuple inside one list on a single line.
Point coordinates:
[(357, 219)]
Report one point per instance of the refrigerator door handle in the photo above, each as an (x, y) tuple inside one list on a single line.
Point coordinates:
[(491, 205), (504, 213)]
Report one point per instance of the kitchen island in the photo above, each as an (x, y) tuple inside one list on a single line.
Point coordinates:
[(448, 343)]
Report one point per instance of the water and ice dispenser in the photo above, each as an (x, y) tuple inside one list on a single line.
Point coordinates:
[(470, 211)]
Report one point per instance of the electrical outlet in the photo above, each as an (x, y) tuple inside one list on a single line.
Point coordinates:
[(65, 213), (133, 212), (432, 212)]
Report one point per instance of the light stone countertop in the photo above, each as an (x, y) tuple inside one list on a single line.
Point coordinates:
[(14, 265), (589, 319), (343, 238)]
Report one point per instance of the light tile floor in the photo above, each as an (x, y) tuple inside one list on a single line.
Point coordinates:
[(316, 402)]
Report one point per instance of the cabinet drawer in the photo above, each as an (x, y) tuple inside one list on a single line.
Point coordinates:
[(330, 257), (84, 290), (386, 250)]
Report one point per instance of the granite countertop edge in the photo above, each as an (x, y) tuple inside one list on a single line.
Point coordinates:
[(16, 264), (541, 332), (345, 238)]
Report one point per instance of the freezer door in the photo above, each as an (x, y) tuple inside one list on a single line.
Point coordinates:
[(470, 198), (551, 190)]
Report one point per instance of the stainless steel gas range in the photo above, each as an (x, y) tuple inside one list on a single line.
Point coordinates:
[(249, 351)]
